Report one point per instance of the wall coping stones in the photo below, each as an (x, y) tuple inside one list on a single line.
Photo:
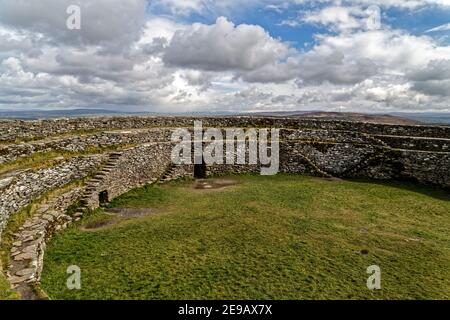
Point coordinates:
[(31, 129)]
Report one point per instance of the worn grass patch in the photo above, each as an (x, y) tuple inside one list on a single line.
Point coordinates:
[(281, 237)]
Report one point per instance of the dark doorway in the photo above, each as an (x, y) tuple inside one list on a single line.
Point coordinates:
[(103, 197), (200, 170)]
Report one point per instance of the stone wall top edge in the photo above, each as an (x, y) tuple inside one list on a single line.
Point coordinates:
[(168, 117)]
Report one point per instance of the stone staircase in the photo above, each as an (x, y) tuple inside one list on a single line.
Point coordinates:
[(168, 175), (93, 184), (316, 168), (376, 140)]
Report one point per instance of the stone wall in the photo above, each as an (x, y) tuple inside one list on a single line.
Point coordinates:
[(326, 148), (417, 143), (323, 148), (18, 191), (11, 130), (135, 167), (27, 252), (80, 143)]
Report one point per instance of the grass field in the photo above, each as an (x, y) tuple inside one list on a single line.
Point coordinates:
[(280, 237), (6, 293)]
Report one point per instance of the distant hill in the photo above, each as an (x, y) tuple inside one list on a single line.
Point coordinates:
[(361, 117), (391, 118), (428, 117), (400, 118)]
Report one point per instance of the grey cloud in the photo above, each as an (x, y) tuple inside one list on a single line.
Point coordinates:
[(314, 68), (111, 24), (434, 79), (335, 68), (435, 70), (433, 87)]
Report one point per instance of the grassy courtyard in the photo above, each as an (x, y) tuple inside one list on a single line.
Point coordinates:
[(280, 237)]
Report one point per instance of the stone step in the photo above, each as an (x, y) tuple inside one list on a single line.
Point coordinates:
[(78, 214), (93, 182)]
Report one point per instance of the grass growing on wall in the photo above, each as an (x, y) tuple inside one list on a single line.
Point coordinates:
[(39, 160), (14, 223), (6, 293), (280, 237)]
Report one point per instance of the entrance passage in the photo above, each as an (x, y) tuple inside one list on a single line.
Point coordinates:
[(103, 197), (200, 170)]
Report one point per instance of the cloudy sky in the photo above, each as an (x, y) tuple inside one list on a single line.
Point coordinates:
[(228, 55)]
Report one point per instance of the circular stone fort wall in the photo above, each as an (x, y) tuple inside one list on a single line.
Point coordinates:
[(108, 156)]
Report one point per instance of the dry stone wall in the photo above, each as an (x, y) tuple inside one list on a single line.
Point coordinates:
[(80, 143), (27, 252), (324, 148), (16, 192), (12, 130), (135, 167), (335, 148)]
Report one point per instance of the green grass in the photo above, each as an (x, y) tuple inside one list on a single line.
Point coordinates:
[(6, 293), (39, 160), (281, 237), (14, 223)]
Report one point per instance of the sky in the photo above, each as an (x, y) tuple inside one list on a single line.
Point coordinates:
[(235, 56)]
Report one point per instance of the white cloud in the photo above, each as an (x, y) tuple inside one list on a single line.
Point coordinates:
[(223, 47), (443, 27), (339, 18), (216, 8), (123, 58)]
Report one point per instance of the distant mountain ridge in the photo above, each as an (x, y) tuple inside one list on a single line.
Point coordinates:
[(399, 118)]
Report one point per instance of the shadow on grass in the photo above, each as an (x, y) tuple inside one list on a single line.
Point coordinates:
[(409, 185)]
